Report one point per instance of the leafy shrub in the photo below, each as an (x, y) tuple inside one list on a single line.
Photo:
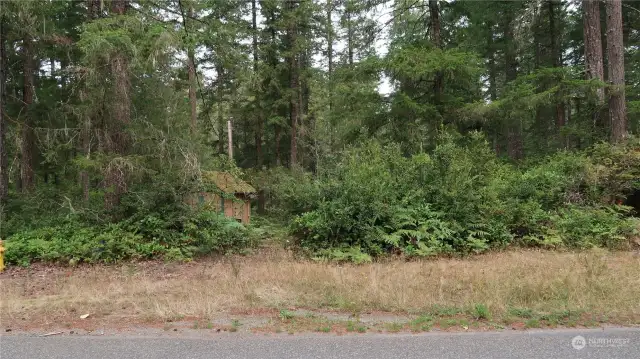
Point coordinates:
[(586, 227), (289, 193), (357, 199), (74, 243), (194, 234), (210, 232), (462, 199), (616, 169)]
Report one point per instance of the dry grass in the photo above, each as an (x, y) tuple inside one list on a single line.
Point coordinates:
[(600, 283)]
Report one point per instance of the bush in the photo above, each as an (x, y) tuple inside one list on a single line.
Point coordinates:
[(587, 227), (462, 199), (287, 192), (356, 201), (73, 242)]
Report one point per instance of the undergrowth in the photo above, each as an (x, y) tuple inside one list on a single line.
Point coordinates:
[(181, 239), (461, 199)]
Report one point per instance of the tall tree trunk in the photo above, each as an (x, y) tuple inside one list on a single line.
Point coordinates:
[(85, 141), (93, 12), (540, 34), (191, 63), (303, 100), (493, 71), (615, 55), (93, 8), (493, 77), (4, 176), (220, 94), (556, 55), (260, 114), (514, 127), (593, 44), (350, 45), (273, 62), (434, 19), (118, 141), (278, 134), (294, 79), (28, 137), (434, 22), (330, 51)]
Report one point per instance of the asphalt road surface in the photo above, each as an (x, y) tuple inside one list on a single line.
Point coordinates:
[(561, 344)]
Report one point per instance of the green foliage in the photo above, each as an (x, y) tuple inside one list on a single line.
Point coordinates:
[(73, 242), (480, 311), (461, 199), (286, 314), (346, 254), (289, 192), (385, 164), (587, 227)]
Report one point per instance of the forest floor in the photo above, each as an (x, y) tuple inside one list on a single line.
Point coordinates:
[(273, 291)]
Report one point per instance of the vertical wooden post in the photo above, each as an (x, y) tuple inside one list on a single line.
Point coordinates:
[(230, 139)]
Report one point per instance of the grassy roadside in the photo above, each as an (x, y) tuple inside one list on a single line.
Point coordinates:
[(524, 289)]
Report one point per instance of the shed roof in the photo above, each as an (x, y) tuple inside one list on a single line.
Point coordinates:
[(227, 182)]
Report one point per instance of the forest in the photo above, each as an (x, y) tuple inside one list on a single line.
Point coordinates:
[(369, 128)]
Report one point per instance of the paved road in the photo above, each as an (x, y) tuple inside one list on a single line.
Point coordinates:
[(610, 344)]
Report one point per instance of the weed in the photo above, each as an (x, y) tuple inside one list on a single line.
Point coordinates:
[(451, 322), (444, 311), (286, 315), (351, 326), (480, 311), (421, 323), (532, 323), (521, 312), (394, 327), (362, 329)]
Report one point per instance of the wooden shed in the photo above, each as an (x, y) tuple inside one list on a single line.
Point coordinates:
[(225, 193)]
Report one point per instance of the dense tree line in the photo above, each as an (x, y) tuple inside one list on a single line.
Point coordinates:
[(107, 101)]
